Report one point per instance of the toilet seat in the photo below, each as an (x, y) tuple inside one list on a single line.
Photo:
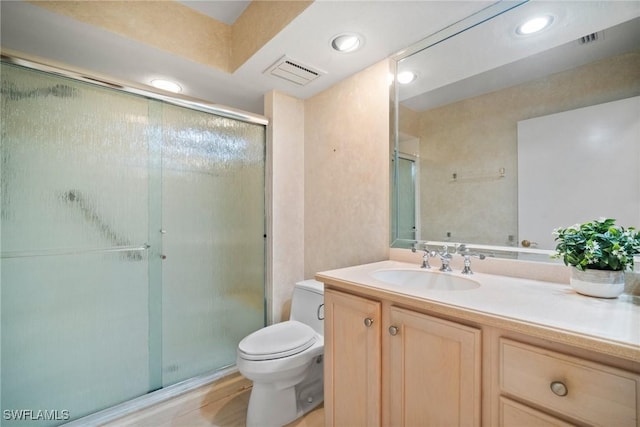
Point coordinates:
[(277, 341)]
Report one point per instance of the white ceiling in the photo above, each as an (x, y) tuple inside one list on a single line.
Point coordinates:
[(387, 27)]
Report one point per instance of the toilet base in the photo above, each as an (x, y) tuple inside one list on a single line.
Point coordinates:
[(270, 406)]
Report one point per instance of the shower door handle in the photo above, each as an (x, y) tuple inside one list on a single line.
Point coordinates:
[(163, 231)]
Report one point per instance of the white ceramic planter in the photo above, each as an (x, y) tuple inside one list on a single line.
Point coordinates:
[(597, 283)]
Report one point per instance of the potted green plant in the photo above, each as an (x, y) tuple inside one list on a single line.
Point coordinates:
[(599, 252)]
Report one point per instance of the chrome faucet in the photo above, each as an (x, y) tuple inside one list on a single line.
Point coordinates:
[(425, 256), (445, 258), (464, 251)]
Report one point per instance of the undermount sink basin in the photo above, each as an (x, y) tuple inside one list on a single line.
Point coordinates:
[(425, 279)]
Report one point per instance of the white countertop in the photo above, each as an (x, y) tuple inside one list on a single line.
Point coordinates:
[(551, 307)]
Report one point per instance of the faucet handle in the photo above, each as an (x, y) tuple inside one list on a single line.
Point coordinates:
[(467, 262), (444, 250), (445, 257), (426, 255)]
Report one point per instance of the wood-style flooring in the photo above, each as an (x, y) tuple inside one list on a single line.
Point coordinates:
[(221, 404)]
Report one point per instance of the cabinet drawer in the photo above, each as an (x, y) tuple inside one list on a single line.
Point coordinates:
[(513, 414), (595, 394)]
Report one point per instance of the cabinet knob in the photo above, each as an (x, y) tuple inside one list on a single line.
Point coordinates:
[(368, 322), (559, 389), (393, 330)]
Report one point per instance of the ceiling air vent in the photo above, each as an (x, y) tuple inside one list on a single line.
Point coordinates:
[(590, 38), (293, 71)]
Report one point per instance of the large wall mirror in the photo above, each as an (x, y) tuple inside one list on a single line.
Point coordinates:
[(502, 135)]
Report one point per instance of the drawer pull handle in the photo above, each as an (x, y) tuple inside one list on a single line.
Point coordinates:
[(368, 322), (559, 389), (393, 330)]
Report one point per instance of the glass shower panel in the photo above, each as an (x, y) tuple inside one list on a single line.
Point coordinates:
[(64, 347), (74, 276), (213, 223)]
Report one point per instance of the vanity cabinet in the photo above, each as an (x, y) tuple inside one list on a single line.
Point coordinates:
[(504, 355), (384, 362), (388, 363), (591, 393)]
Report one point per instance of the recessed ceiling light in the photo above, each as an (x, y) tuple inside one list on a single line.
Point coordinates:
[(346, 42), (166, 85), (534, 25), (406, 77)]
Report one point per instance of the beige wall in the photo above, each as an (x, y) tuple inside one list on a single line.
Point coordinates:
[(347, 172), (285, 198), (479, 136), (330, 181)]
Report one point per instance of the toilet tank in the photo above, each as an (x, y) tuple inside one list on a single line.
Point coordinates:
[(307, 304)]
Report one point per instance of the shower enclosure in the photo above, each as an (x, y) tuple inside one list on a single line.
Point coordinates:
[(132, 234)]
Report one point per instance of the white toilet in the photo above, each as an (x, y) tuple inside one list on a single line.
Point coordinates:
[(285, 361)]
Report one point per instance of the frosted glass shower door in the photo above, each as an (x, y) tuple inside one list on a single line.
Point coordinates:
[(132, 237), (74, 276), (213, 239)]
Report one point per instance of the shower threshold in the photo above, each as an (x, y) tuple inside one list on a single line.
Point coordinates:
[(150, 399)]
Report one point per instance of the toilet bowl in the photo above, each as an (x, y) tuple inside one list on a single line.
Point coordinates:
[(285, 361)]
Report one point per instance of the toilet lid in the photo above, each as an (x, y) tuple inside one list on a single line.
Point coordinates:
[(278, 340)]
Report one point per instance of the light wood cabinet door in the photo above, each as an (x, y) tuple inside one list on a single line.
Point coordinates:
[(352, 360), (434, 371)]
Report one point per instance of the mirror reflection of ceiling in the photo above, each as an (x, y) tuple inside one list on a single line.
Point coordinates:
[(510, 59)]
